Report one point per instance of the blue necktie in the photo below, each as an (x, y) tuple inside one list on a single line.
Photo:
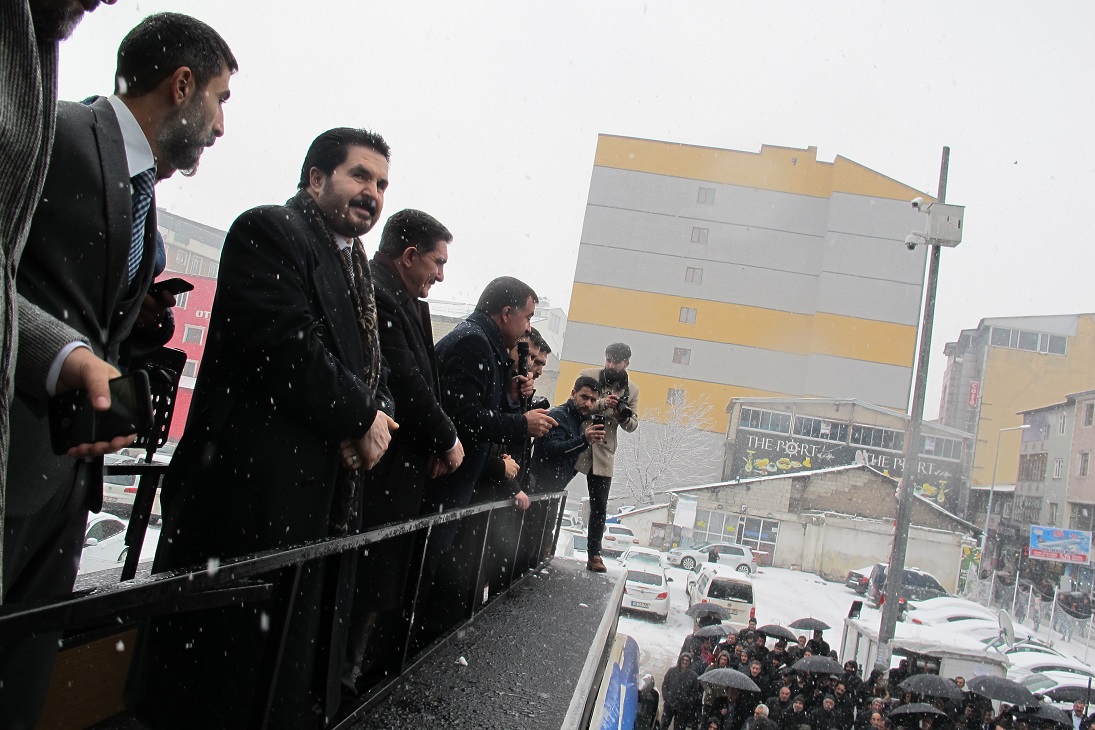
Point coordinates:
[(143, 183)]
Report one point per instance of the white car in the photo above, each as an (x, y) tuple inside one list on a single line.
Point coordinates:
[(1060, 689), (953, 614), (120, 490), (738, 557), (647, 590), (572, 543), (642, 556), (104, 543), (1027, 663), (617, 538), (731, 589)]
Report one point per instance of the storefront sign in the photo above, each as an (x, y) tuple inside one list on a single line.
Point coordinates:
[(1059, 545)]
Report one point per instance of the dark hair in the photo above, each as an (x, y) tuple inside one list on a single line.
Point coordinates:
[(412, 228), (164, 42), (329, 150), (505, 291), (618, 351), (586, 381), (537, 340)]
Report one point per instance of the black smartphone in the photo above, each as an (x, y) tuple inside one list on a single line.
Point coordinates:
[(597, 420), (176, 286), (73, 421)]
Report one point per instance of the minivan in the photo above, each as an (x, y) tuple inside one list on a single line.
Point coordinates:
[(726, 587)]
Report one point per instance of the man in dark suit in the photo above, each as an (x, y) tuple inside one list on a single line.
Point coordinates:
[(414, 249), (287, 410), (88, 262)]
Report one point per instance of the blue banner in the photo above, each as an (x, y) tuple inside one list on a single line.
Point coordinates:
[(1060, 545)]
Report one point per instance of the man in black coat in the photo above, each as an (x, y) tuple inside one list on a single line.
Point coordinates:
[(286, 412), (481, 395), (681, 694), (414, 249), (88, 262)]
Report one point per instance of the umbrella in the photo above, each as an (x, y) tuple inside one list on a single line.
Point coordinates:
[(1048, 712), (932, 685), (777, 631), (810, 624), (819, 664), (998, 688), (917, 708), (731, 678), (708, 609), (713, 631)]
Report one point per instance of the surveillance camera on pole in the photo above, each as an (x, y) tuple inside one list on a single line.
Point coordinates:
[(944, 225)]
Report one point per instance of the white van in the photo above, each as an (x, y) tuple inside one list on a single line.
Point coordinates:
[(723, 585)]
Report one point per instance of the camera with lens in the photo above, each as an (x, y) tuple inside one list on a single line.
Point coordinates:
[(623, 409)]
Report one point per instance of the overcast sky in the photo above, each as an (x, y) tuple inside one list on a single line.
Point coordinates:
[(492, 110)]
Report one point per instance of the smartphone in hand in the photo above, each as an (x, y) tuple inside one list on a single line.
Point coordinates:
[(73, 420), (176, 286)]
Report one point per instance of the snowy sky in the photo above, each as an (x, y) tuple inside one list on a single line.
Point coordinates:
[(493, 110)]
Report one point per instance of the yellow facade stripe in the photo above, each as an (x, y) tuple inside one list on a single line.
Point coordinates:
[(774, 168), (654, 392), (737, 324)]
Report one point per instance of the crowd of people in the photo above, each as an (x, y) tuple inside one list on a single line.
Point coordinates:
[(322, 406), (787, 699)]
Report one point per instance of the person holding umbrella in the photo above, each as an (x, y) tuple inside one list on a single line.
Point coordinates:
[(817, 645)]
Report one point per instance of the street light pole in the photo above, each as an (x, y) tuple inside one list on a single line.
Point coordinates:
[(992, 487), (895, 573)]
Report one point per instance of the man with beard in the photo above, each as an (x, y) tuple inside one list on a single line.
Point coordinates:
[(88, 262), (557, 452), (779, 705), (411, 258), (619, 404), (286, 412)]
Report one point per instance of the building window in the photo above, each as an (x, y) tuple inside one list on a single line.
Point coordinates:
[(190, 370), (1032, 468), (195, 266), (193, 335), (943, 448), (706, 196), (688, 315), (1058, 468), (1085, 463), (711, 526), (212, 269), (181, 299), (181, 257), (1025, 340), (699, 235), (759, 420), (675, 397), (693, 275), (758, 534), (1089, 414), (681, 355), (819, 428), (1061, 423), (1053, 513), (878, 438)]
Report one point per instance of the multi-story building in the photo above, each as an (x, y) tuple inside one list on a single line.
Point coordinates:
[(1080, 490), (788, 435), (737, 274), (1004, 367)]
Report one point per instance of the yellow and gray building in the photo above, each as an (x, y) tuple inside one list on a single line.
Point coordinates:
[(738, 274)]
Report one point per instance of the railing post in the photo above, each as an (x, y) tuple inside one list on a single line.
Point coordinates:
[(477, 587)]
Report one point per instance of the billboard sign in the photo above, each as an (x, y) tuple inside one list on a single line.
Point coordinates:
[(1059, 545)]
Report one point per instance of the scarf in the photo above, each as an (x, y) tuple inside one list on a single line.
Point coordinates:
[(360, 285)]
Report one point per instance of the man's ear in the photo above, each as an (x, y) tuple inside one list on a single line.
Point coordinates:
[(182, 85), (409, 255)]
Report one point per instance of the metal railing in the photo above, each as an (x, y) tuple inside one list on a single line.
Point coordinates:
[(253, 578)]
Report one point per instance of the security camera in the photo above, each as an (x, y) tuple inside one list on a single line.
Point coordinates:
[(912, 240), (917, 202)]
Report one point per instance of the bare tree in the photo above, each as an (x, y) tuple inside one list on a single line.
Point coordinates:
[(675, 452)]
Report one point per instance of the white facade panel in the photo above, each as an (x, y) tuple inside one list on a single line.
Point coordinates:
[(837, 377)]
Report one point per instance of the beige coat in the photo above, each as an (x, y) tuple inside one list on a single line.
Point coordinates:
[(601, 456)]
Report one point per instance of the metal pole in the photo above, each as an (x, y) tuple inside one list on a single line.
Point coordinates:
[(1018, 572), (992, 487), (895, 574)]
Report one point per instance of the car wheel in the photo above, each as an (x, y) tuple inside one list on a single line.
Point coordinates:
[(744, 568), (663, 618), (688, 562)]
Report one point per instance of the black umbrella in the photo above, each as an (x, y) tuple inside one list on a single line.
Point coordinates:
[(932, 685), (998, 688), (916, 708), (1047, 712), (777, 631), (712, 631), (709, 609), (810, 624), (819, 664), (731, 678)]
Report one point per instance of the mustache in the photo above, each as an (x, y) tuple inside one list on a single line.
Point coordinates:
[(368, 204)]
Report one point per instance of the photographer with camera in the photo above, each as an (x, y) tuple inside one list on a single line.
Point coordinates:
[(619, 405)]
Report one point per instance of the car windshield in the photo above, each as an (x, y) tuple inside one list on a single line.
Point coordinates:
[(639, 576), (125, 480), (731, 590), (580, 542), (1038, 682), (643, 558)]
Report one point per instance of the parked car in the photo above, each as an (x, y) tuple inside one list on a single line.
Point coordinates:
[(572, 543), (571, 520), (104, 543), (917, 586), (120, 490), (646, 590), (739, 557), (1021, 646), (617, 538), (952, 614), (643, 555), (859, 579), (1060, 689), (1027, 663), (726, 587)]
